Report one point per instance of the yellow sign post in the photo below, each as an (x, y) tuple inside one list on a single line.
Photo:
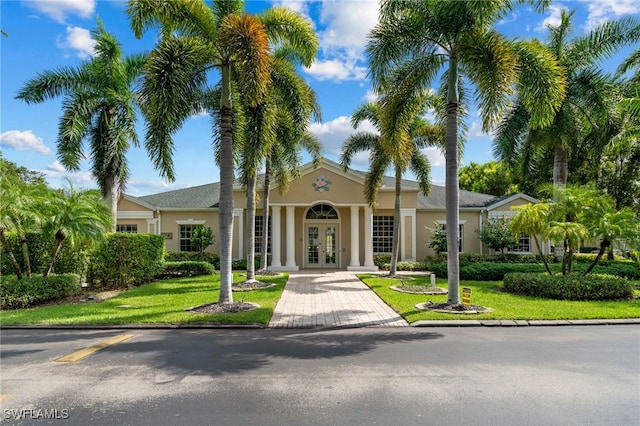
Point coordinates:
[(466, 296)]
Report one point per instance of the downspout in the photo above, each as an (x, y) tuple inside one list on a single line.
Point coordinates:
[(159, 227)]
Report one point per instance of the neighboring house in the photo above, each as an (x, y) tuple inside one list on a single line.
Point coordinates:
[(322, 221)]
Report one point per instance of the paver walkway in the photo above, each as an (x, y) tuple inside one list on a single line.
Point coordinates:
[(331, 299)]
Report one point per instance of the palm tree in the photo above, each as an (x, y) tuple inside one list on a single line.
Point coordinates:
[(195, 39), (587, 97), (282, 165), (73, 214), (401, 135), (415, 40), (21, 209), (288, 97), (532, 219), (99, 105)]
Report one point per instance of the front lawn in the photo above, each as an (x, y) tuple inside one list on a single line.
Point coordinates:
[(158, 302), (505, 306)]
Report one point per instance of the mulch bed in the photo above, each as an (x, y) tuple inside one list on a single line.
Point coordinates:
[(419, 289), (449, 308), (224, 308), (249, 286)]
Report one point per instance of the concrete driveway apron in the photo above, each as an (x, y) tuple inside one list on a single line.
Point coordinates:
[(314, 299)]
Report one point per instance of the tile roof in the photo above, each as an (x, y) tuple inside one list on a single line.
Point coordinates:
[(436, 199)]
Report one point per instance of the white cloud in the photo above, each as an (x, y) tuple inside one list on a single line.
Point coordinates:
[(24, 141), (475, 131), (602, 11), (300, 6), (58, 10), (370, 96), (139, 187), (78, 39), (553, 19), (435, 156), (347, 23), (56, 174), (332, 135), (344, 26), (337, 70)]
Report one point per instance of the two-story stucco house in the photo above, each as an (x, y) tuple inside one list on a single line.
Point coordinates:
[(322, 221)]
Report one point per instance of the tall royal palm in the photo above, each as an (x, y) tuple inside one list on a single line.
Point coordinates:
[(289, 101), (414, 41), (587, 104), (99, 105), (195, 39), (401, 135)]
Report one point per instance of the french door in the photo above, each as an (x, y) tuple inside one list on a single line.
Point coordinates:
[(322, 245)]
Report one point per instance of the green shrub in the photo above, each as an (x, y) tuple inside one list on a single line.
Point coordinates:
[(569, 287), (188, 268), (487, 271), (73, 260), (181, 256), (27, 292), (123, 260), (469, 258), (624, 269), (382, 259)]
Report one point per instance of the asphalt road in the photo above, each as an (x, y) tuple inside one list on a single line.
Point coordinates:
[(375, 376)]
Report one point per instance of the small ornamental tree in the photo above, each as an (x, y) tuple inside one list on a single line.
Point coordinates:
[(496, 234), (438, 238), (201, 238)]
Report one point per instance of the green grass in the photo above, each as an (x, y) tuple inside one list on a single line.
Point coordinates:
[(505, 306), (158, 302)]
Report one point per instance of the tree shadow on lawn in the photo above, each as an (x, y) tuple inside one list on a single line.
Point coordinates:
[(214, 352)]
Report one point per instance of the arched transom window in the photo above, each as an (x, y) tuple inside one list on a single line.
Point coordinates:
[(322, 211)]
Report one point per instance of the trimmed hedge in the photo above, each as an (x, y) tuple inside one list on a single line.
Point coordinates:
[(73, 260), (185, 256), (569, 287), (486, 271), (27, 292), (470, 258), (122, 260), (189, 268)]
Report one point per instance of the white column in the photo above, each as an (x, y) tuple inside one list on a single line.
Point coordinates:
[(368, 239), (291, 239), (275, 237), (238, 213), (355, 237)]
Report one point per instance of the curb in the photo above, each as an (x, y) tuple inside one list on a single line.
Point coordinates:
[(425, 323), (524, 323)]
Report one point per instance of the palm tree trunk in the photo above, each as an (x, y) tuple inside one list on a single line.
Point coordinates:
[(59, 239), (226, 189), (251, 228), (111, 198), (452, 192), (25, 254), (542, 256), (265, 214), (6, 248), (604, 244), (395, 243), (560, 166)]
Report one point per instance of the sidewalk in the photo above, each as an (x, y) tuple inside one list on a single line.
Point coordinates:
[(331, 299)]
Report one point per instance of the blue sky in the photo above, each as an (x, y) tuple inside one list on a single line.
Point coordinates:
[(47, 34)]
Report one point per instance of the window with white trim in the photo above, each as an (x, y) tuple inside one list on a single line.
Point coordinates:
[(524, 242), (443, 223), (127, 229), (185, 238), (259, 231), (382, 234)]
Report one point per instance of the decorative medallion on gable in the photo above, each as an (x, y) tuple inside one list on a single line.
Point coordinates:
[(321, 184)]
